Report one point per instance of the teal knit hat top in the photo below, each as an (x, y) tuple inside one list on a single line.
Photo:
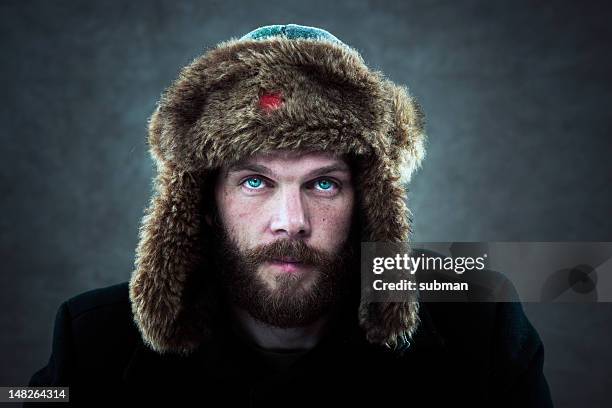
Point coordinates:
[(292, 32)]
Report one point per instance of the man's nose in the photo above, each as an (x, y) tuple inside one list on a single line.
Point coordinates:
[(290, 214)]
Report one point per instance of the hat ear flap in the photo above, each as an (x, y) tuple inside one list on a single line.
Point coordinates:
[(387, 220), (169, 250), (408, 133), (154, 137), (392, 324)]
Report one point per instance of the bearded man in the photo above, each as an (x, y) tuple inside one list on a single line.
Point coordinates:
[(277, 154)]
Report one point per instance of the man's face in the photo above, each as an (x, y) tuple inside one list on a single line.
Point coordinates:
[(284, 242)]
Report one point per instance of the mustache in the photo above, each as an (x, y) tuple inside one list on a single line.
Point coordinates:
[(297, 250)]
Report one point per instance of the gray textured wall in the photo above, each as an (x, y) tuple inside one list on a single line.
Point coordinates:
[(517, 97)]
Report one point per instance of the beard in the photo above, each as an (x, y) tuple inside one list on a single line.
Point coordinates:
[(284, 299)]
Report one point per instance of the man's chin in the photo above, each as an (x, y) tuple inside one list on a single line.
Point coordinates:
[(292, 303), (290, 279)]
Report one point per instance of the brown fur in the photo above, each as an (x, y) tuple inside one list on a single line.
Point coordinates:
[(209, 117)]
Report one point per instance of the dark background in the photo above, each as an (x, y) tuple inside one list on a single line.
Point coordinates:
[(517, 98)]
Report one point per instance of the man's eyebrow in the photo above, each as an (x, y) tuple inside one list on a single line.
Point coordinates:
[(260, 168)]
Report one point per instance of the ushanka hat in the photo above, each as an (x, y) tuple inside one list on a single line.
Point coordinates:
[(277, 87)]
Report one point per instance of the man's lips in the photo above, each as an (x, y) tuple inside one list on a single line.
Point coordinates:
[(288, 264)]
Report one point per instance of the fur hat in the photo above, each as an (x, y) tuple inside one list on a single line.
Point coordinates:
[(278, 87)]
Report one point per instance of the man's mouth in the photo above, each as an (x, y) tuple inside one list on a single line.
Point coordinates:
[(288, 265)]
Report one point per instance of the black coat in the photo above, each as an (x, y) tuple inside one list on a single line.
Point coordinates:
[(472, 354)]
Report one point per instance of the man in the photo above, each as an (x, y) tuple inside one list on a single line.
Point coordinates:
[(277, 154)]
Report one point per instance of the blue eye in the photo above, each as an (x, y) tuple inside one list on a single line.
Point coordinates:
[(325, 184), (254, 182)]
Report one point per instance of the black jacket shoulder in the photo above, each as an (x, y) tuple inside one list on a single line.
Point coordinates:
[(491, 340), (110, 296), (94, 333)]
